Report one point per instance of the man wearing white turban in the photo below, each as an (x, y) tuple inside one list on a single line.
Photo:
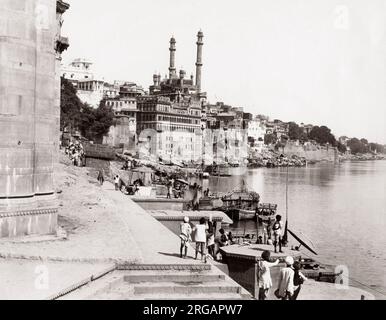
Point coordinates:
[(286, 280)]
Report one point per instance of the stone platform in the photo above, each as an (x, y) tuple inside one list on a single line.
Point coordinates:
[(123, 236), (254, 251), (242, 263)]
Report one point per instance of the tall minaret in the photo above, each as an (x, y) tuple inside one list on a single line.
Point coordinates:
[(172, 68), (200, 43)]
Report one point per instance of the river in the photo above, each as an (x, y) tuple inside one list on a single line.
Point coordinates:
[(341, 208)]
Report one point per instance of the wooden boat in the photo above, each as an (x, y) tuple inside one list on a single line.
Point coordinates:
[(241, 204), (245, 214), (218, 170)]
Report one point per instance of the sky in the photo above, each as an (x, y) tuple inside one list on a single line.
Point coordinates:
[(313, 61)]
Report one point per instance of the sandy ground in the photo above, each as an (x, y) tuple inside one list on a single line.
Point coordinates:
[(88, 215)]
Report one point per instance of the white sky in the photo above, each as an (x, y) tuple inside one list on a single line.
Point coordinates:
[(312, 61)]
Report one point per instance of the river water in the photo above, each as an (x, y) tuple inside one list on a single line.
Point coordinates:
[(341, 208)]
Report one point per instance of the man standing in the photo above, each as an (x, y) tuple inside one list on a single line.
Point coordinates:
[(286, 280), (277, 229), (116, 182), (101, 179), (264, 274)]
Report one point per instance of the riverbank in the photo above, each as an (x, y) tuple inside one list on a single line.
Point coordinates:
[(104, 229), (362, 157)]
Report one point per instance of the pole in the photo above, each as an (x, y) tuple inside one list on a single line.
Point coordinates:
[(285, 237), (286, 196)]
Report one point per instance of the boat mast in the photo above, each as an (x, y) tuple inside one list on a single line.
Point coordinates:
[(285, 236), (286, 196)]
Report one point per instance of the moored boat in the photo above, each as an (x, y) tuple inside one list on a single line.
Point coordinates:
[(241, 204), (245, 214)]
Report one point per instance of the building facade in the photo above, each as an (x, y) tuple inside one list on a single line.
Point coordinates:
[(176, 129), (78, 70), (91, 92), (256, 133), (225, 135), (123, 133), (169, 118)]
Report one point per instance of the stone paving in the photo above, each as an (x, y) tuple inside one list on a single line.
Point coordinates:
[(37, 280), (156, 243)]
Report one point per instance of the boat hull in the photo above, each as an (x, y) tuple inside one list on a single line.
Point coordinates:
[(244, 214), (264, 218)]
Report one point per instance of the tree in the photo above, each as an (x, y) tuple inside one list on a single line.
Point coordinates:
[(341, 147), (74, 115), (375, 147), (364, 141), (270, 138), (96, 123), (322, 135), (70, 107), (294, 131), (356, 146), (303, 137)]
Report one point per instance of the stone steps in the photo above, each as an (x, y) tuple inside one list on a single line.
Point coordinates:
[(196, 278), (158, 283), (185, 288), (197, 296)]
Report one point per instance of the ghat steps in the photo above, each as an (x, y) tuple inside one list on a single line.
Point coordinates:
[(171, 284)]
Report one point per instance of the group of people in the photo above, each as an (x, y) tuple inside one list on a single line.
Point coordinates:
[(76, 153), (175, 189), (204, 237), (127, 189), (290, 278)]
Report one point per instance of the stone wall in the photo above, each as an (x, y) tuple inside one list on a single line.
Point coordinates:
[(160, 204), (122, 134), (311, 152), (29, 115), (244, 272)]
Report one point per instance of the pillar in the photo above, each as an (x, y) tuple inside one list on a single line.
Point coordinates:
[(29, 116), (172, 67), (200, 43)]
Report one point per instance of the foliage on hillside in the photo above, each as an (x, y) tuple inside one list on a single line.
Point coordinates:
[(92, 123)]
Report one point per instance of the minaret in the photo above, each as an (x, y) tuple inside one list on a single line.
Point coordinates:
[(172, 49), (200, 43)]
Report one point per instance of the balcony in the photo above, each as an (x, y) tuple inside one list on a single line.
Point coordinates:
[(62, 44)]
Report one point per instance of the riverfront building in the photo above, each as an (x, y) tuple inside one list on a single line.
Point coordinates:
[(122, 98), (79, 69), (169, 118), (123, 133), (93, 90), (169, 131), (225, 134), (256, 133)]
